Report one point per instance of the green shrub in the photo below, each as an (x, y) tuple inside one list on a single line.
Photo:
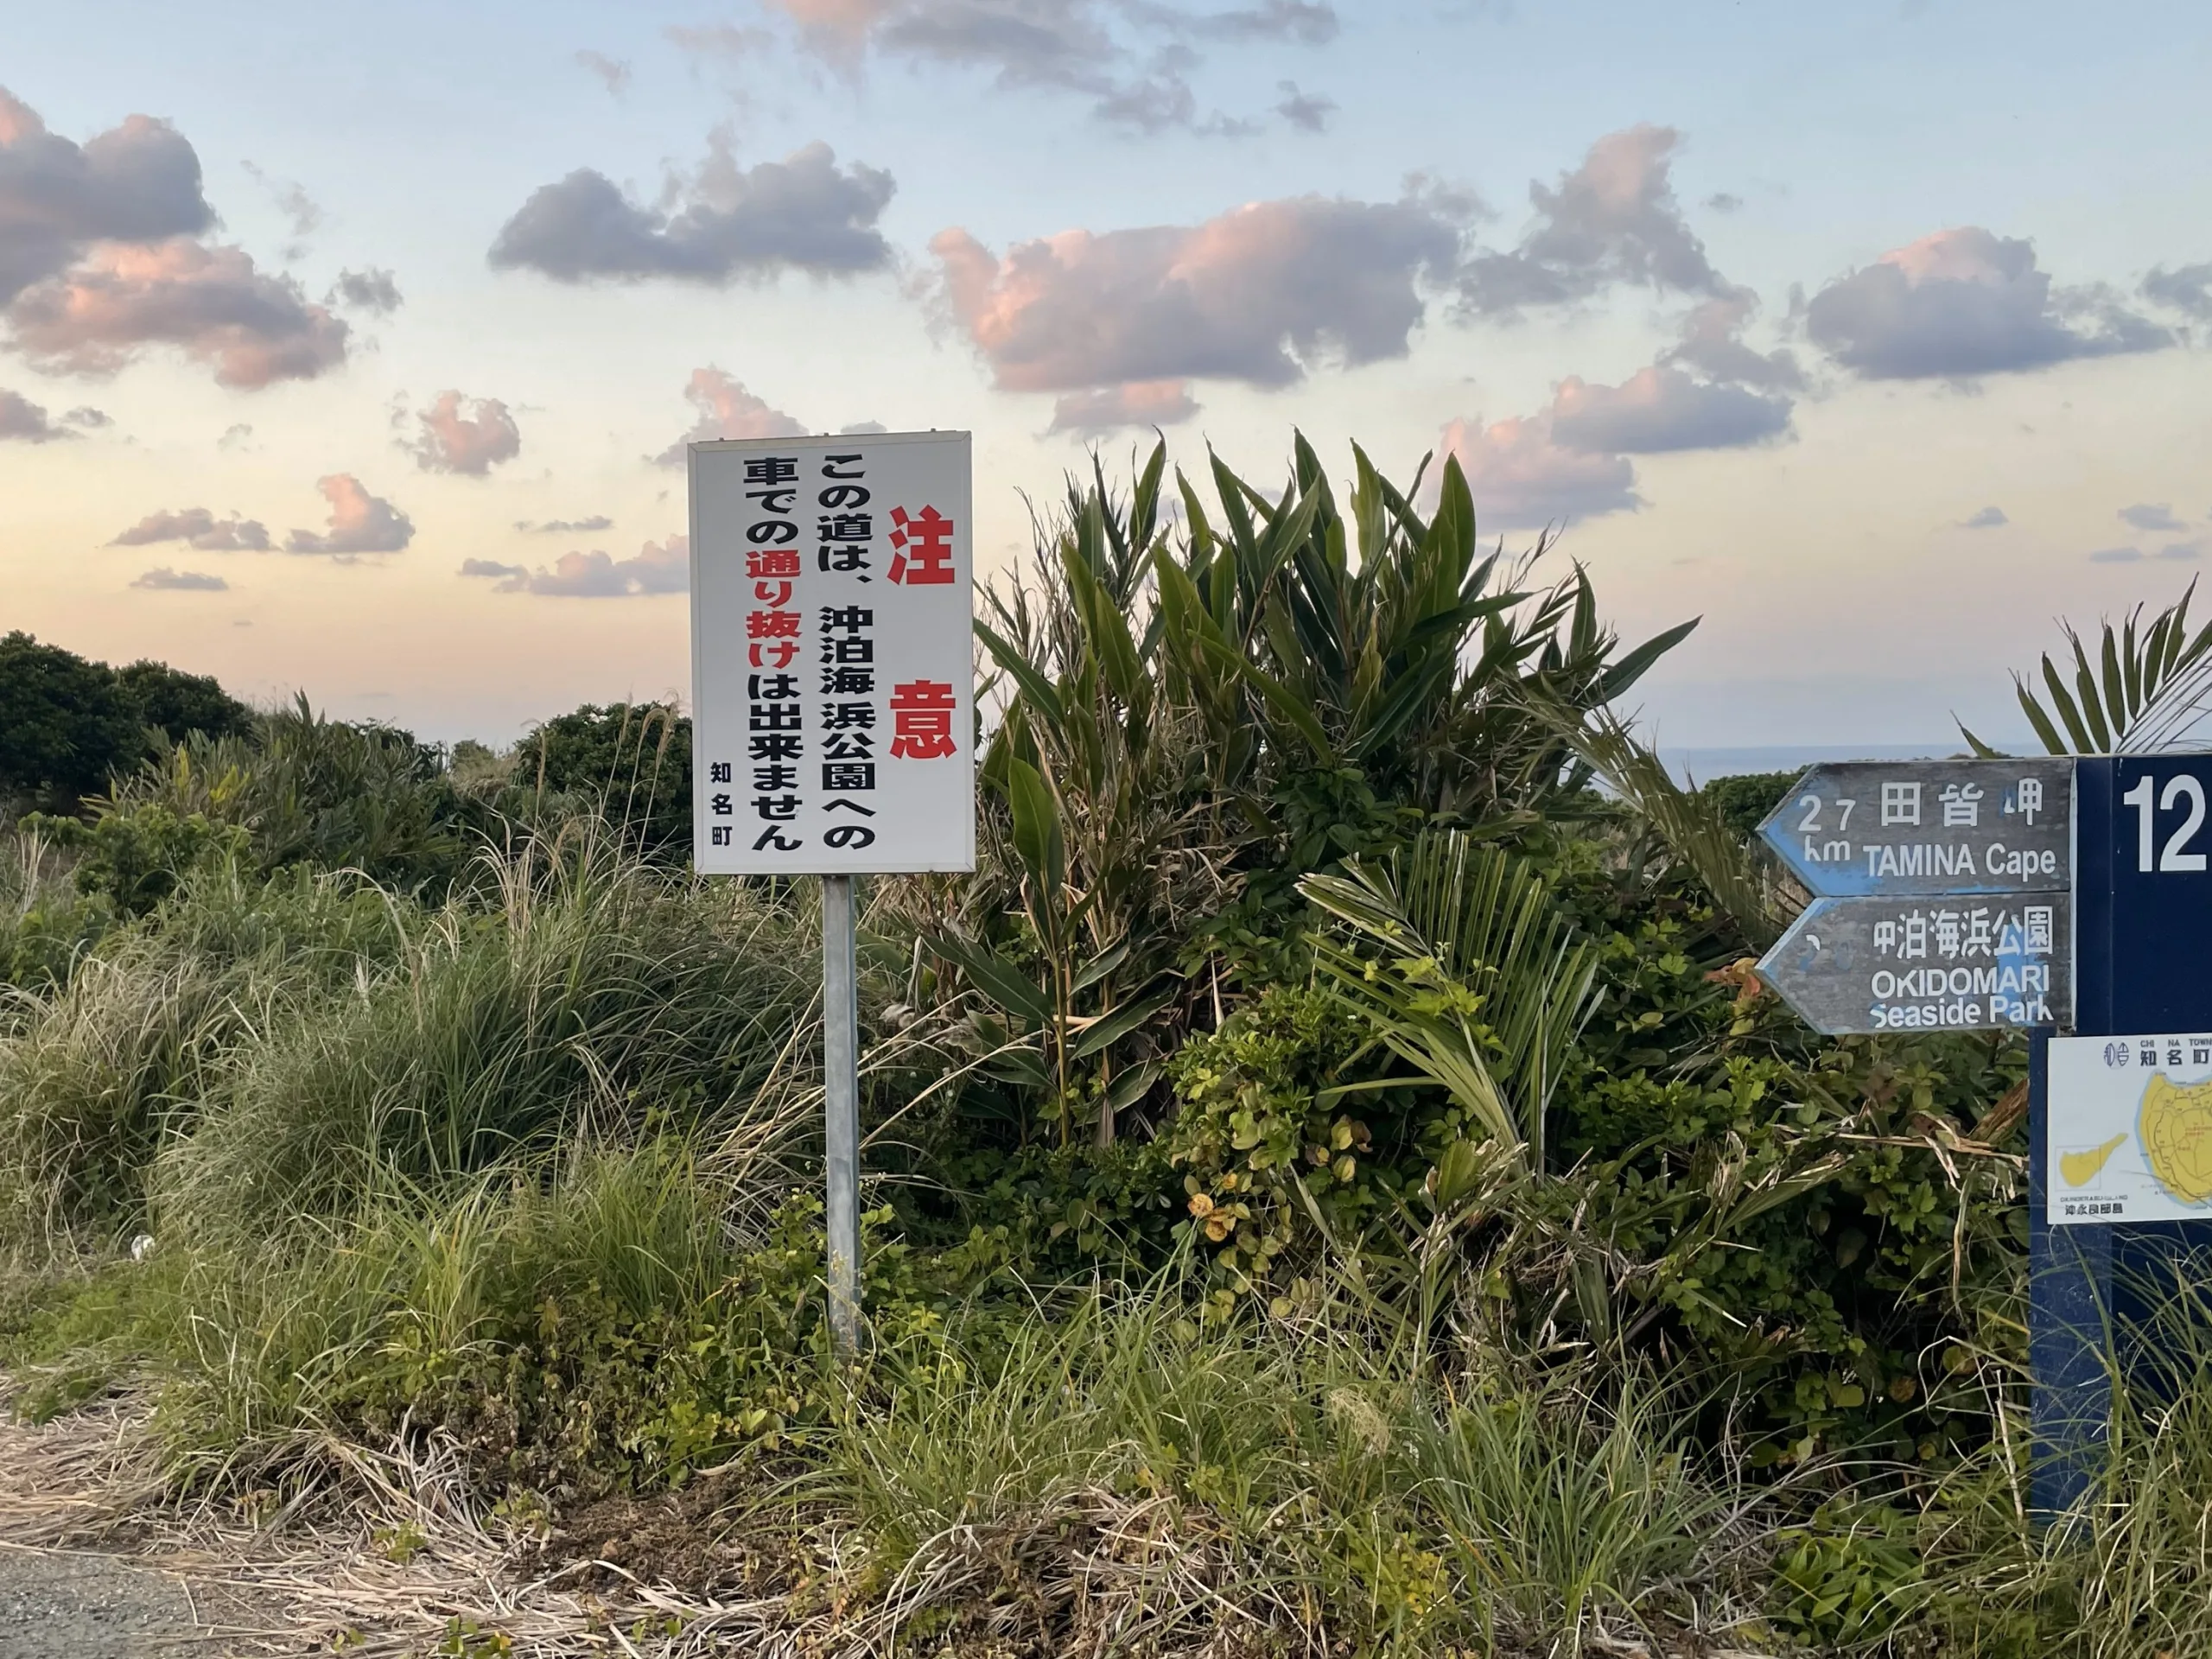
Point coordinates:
[(1745, 799)]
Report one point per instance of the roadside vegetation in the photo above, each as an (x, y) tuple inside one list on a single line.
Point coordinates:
[(1334, 1182)]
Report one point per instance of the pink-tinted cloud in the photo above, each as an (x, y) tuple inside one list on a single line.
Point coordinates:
[(1141, 403), (658, 567), (136, 182), (1656, 410), (211, 303), (1614, 219), (470, 435), (198, 528), (359, 522), (727, 409), (1964, 303), (1521, 477), (1258, 295)]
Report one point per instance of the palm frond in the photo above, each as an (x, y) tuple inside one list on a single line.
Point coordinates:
[(1480, 984)]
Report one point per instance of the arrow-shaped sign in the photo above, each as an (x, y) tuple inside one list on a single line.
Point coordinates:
[(1976, 963), (1872, 827)]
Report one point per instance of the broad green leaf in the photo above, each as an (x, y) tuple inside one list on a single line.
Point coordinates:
[(1109, 1028), (996, 976)]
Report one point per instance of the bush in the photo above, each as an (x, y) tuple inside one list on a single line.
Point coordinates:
[(65, 724), (631, 762), (1745, 800)]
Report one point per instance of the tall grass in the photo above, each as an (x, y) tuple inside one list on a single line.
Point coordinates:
[(1106, 1474), (99, 1071), (594, 992)]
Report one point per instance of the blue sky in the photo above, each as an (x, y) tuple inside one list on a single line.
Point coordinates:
[(1914, 243)]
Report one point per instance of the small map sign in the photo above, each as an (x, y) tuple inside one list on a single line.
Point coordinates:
[(1930, 962), (1867, 827), (2130, 1134)]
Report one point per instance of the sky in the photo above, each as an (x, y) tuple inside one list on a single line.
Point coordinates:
[(354, 350)]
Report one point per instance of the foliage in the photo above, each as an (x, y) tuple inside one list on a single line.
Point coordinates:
[(599, 992), (2141, 690), (134, 860), (1196, 718), (324, 793), (1745, 799), (1475, 980), (632, 762), (65, 724), (177, 704)]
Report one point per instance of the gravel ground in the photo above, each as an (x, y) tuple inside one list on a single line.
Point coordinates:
[(92, 1608)]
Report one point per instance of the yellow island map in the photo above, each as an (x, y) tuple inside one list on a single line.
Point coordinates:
[(2130, 1133), (2175, 1126)]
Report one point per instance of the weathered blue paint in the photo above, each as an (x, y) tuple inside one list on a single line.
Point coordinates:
[(2143, 963), (1878, 829)]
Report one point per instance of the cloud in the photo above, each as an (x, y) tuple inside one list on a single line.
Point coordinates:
[(198, 528), (1721, 202), (161, 579), (239, 437), (2116, 555), (1257, 294), (1140, 403), (470, 435), (24, 421), (658, 567), (613, 73), (566, 526), (1301, 20), (727, 409), (136, 182), (1521, 477), (2182, 550), (1307, 111), (1712, 341), (1964, 303), (211, 303), (1130, 59), (723, 223), (1657, 410), (2151, 515), (1987, 519), (359, 522), (1612, 219), (98, 258), (2188, 289), (291, 199), (861, 428), (365, 290), (88, 418)]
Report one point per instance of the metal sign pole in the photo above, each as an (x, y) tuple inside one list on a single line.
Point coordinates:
[(841, 1100)]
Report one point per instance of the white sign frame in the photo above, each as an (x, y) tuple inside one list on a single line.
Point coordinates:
[(920, 806)]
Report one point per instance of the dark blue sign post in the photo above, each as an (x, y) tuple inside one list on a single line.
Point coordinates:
[(2143, 963)]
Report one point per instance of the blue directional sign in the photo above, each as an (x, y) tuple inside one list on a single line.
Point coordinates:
[(1923, 961), (2143, 906), (1870, 828)]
